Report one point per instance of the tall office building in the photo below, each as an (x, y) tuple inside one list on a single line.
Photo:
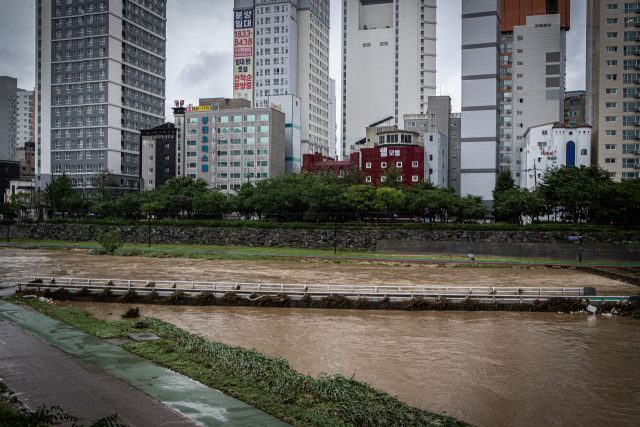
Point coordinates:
[(479, 142), (532, 80), (24, 117), (8, 103), (333, 123), (100, 67), (388, 62), (515, 12), (613, 86), (282, 47)]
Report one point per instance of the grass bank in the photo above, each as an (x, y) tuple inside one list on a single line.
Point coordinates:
[(265, 382), (261, 253)]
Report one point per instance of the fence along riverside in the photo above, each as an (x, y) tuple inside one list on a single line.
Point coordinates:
[(500, 295)]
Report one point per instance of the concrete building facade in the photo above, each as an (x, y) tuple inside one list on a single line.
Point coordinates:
[(388, 62), (291, 56), (100, 70), (439, 118), (333, 124), (227, 148), (613, 86), (158, 160), (553, 145), (8, 117), (532, 82), (515, 12), (291, 106), (480, 97), (575, 107), (24, 117)]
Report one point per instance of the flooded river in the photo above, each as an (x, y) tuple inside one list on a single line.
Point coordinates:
[(489, 369)]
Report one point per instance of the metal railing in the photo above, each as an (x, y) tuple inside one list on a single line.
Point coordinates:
[(510, 295)]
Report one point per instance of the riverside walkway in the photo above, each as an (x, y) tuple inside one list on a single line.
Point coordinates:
[(57, 364)]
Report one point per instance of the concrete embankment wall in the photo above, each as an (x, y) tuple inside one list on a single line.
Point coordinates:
[(601, 246), (555, 251)]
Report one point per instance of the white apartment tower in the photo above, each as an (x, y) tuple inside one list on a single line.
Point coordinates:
[(24, 117), (388, 62), (532, 83), (480, 97), (281, 47), (100, 68)]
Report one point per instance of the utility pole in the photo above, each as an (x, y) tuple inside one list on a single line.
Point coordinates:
[(580, 234), (335, 237)]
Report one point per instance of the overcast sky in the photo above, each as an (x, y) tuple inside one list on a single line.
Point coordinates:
[(200, 40)]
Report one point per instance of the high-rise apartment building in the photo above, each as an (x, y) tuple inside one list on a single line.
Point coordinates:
[(532, 81), (613, 86), (100, 67), (480, 142), (388, 62), (282, 47), (8, 117), (24, 117)]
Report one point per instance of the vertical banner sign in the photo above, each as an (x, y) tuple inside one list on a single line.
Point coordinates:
[(243, 55)]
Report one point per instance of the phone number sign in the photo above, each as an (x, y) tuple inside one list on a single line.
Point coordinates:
[(243, 42)]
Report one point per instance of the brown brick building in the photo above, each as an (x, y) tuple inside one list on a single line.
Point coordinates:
[(515, 12)]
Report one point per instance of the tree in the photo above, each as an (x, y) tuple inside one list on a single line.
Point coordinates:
[(56, 191), (582, 193), (629, 195), (469, 207), (389, 200), (389, 178), (517, 204), (437, 203), (359, 198), (212, 202), (105, 183), (504, 183)]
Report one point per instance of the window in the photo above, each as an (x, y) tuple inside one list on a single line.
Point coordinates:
[(383, 165), (610, 146), (368, 179), (518, 87), (611, 119), (583, 152), (610, 132), (611, 49), (398, 164), (192, 120), (414, 164), (519, 63), (612, 21), (414, 178), (611, 104), (368, 166), (612, 7), (612, 91), (609, 161), (612, 77), (612, 35)]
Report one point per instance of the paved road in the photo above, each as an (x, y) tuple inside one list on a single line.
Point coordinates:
[(92, 378), (40, 374)]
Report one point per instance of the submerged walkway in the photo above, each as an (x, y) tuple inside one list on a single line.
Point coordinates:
[(91, 378), (417, 259)]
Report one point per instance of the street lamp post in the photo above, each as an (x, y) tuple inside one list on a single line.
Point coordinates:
[(149, 218)]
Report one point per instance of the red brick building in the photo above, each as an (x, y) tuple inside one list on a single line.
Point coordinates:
[(317, 163), (374, 162), (408, 160)]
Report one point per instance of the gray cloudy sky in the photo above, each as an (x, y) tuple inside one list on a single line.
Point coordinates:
[(200, 39)]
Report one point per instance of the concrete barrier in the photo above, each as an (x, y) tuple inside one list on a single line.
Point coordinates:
[(555, 251)]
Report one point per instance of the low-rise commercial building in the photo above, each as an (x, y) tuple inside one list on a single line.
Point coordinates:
[(575, 107), (553, 145), (227, 148)]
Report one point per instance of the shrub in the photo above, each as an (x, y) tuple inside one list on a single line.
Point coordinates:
[(110, 241)]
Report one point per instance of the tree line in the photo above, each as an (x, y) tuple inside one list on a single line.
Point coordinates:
[(563, 194)]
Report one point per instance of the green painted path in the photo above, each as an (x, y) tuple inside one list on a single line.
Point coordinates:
[(204, 405), (342, 257)]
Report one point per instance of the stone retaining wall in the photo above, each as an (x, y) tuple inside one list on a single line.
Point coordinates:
[(361, 239)]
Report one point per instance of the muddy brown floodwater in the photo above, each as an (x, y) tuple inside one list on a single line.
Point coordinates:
[(487, 368)]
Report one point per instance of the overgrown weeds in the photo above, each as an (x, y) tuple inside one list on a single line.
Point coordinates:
[(127, 297), (470, 304), (131, 313), (336, 301), (418, 303), (205, 298)]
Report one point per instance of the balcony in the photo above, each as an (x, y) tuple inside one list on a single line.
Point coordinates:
[(636, 123), (636, 95), (637, 53)]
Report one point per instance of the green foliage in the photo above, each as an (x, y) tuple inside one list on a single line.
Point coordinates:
[(110, 241), (504, 184), (629, 195), (360, 198), (390, 178), (269, 383), (52, 416), (389, 199)]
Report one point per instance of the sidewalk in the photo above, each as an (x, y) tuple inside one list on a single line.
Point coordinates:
[(91, 378)]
